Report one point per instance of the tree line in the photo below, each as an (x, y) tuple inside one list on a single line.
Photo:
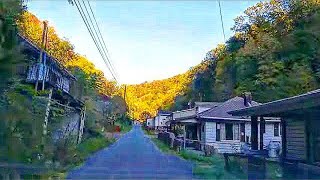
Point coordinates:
[(22, 110), (274, 53)]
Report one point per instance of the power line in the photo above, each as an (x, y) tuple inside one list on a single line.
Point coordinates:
[(100, 49), (104, 44), (99, 35), (224, 36)]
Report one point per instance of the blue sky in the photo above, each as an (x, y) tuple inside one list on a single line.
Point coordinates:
[(147, 40)]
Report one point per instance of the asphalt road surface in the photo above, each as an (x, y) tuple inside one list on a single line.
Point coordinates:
[(134, 156)]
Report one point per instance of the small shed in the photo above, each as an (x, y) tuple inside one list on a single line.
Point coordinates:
[(300, 125), (51, 70)]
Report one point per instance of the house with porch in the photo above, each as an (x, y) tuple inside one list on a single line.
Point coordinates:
[(232, 134), (213, 126), (187, 120), (300, 126)]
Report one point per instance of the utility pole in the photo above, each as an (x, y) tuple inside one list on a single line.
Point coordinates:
[(45, 70), (125, 93), (43, 43)]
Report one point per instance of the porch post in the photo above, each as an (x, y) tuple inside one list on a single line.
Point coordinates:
[(262, 131), (184, 136), (284, 138), (198, 132), (254, 133)]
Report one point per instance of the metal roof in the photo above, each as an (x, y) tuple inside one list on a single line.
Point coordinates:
[(282, 106), (28, 44), (221, 111)]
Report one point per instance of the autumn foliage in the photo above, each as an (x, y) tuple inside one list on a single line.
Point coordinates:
[(31, 27)]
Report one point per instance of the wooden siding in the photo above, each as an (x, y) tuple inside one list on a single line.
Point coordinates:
[(160, 121), (296, 140), (248, 131), (232, 146), (51, 74), (227, 146), (268, 136), (210, 132)]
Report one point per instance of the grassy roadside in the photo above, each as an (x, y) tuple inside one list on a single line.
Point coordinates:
[(205, 167), (79, 154), (148, 132), (85, 149)]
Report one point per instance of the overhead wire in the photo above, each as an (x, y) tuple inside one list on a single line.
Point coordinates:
[(91, 32), (221, 19), (103, 42)]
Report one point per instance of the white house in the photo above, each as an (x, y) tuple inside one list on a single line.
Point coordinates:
[(229, 134), (226, 133), (150, 123), (161, 119)]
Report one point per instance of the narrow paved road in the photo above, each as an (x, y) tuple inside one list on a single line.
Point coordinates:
[(133, 156)]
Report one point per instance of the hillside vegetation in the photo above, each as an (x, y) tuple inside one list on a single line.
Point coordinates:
[(23, 109), (274, 53)]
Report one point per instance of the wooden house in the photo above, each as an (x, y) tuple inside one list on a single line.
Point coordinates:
[(187, 119), (300, 125), (50, 72), (213, 126), (161, 119), (64, 91), (150, 123), (227, 133)]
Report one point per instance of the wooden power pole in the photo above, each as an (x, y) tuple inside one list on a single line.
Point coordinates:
[(43, 44)]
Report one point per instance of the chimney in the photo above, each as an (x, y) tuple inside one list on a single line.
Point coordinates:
[(247, 99)]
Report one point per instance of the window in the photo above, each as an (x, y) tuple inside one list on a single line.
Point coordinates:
[(148, 123), (202, 128), (276, 129), (229, 131), (236, 132), (218, 131)]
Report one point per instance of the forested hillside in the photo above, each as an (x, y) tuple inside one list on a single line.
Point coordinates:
[(24, 135), (31, 27), (274, 53)]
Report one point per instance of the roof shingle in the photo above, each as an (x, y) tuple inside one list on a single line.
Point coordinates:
[(222, 110)]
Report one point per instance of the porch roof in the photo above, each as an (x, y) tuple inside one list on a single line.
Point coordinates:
[(302, 103), (186, 121)]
